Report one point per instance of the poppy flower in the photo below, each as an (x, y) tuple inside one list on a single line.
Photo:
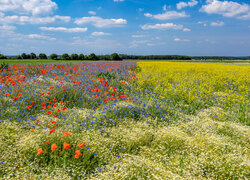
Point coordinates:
[(64, 108), (54, 147), (53, 122), (51, 131), (81, 144), (40, 151), (77, 154), (66, 145), (47, 142), (51, 87), (66, 133), (106, 84), (49, 112)]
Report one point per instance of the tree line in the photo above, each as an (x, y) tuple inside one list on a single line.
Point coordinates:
[(93, 56)]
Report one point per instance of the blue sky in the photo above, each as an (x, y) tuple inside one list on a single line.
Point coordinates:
[(141, 27)]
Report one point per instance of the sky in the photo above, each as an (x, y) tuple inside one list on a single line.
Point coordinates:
[(139, 27)]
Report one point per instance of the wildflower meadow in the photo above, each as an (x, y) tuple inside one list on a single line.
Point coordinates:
[(124, 120)]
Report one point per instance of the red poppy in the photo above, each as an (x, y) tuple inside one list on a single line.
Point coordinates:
[(66, 133), (54, 147), (40, 151), (77, 154), (51, 131), (66, 145), (81, 145)]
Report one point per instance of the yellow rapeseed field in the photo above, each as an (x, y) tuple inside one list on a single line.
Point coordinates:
[(199, 84)]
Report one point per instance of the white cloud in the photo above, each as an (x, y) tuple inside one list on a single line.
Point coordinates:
[(191, 3), (204, 23), (100, 34), (217, 23), (245, 17), (100, 22), (64, 29), (118, 0), (32, 20), (138, 36), (164, 7), (186, 29), (156, 44), (167, 15), (34, 7), (162, 26), (226, 8), (7, 28), (136, 43), (37, 36), (181, 40), (92, 12)]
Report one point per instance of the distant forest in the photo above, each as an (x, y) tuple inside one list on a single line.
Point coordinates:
[(117, 57)]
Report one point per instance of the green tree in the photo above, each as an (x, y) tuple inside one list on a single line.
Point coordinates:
[(115, 57), (74, 57), (92, 56), (81, 57), (42, 56), (2, 56), (53, 56), (65, 56), (32, 55), (24, 56), (19, 57)]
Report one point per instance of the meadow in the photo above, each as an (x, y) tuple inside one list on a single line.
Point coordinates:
[(124, 120)]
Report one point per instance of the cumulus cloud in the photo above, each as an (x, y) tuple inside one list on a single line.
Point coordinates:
[(37, 36), (137, 43), (118, 0), (226, 8), (34, 7), (186, 29), (64, 29), (7, 28), (100, 34), (101, 22), (191, 3), (181, 40), (167, 15), (32, 20), (92, 12), (138, 36), (162, 26), (217, 23)]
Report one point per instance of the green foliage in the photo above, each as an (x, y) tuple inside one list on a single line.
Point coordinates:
[(81, 57), (2, 56), (4, 66), (42, 56), (53, 56), (74, 57), (65, 56), (115, 57), (33, 56), (92, 56), (106, 75)]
